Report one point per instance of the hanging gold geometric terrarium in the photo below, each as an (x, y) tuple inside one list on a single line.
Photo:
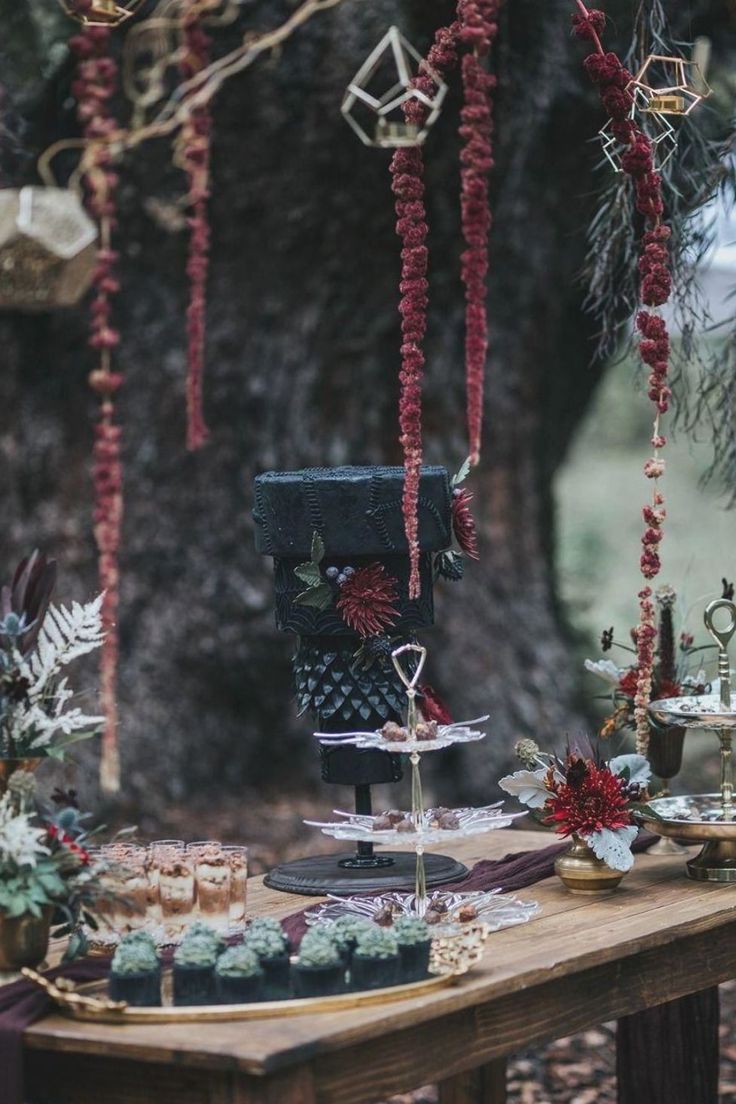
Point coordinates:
[(658, 130), (47, 248), (670, 85), (100, 13), (374, 102)]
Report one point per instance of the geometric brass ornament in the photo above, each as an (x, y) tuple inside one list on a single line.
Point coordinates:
[(48, 248), (100, 13), (657, 128), (671, 85), (374, 99)]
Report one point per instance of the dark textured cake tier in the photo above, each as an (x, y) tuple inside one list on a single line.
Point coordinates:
[(357, 511)]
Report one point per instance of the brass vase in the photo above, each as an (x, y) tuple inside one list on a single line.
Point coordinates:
[(582, 872), (8, 767), (24, 940)]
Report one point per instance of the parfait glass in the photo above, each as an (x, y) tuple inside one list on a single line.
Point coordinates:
[(238, 860), (128, 882), (176, 888), (212, 872)]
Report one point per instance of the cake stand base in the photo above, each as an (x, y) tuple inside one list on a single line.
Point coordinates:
[(715, 863), (321, 875)]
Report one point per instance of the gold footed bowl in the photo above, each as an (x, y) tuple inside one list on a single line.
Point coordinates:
[(580, 871), (24, 940)]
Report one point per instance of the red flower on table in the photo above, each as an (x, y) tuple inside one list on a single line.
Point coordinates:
[(463, 523), (591, 799), (367, 598)]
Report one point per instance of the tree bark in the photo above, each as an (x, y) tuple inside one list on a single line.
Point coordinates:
[(303, 351)]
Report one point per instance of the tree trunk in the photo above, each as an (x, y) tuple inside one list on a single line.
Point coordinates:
[(303, 351)]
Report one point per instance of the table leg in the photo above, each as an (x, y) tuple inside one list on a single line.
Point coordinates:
[(669, 1054), (485, 1085)]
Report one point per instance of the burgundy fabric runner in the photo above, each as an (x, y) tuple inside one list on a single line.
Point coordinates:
[(23, 1003)]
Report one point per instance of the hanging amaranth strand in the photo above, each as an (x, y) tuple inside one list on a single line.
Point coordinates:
[(193, 156), (93, 87), (613, 81), (407, 183), (475, 28), (478, 30)]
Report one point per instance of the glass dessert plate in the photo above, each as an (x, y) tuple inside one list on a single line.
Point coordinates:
[(697, 818), (494, 909), (699, 711), (472, 822), (460, 732)]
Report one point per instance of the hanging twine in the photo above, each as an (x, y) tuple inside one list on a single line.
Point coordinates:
[(93, 88), (194, 157), (611, 78)]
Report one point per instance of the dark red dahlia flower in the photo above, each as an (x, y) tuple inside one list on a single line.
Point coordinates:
[(594, 801), (366, 600), (463, 523)]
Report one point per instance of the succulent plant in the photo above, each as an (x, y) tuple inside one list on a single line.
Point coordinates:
[(200, 930), (410, 930), (134, 957), (196, 950), (265, 943), (336, 936), (317, 949), (238, 961), (135, 938), (350, 927), (266, 924), (376, 943)]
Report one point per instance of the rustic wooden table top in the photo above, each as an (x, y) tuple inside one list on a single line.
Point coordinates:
[(658, 937)]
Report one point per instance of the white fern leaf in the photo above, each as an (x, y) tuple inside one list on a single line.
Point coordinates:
[(66, 634)]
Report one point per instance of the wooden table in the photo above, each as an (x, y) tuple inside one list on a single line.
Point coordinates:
[(579, 963)]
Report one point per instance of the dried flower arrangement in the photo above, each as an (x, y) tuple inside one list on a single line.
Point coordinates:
[(45, 861), (37, 642), (580, 794), (676, 668)]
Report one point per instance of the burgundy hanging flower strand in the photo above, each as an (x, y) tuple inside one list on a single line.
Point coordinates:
[(407, 172), (478, 29), (93, 89), (194, 157), (612, 79)]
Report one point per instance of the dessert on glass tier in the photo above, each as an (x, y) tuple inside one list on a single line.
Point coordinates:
[(420, 826)]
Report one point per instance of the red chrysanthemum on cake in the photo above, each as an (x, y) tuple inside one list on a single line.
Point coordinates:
[(463, 523), (367, 600)]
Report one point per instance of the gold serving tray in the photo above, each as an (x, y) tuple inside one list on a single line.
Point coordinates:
[(90, 1003)]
